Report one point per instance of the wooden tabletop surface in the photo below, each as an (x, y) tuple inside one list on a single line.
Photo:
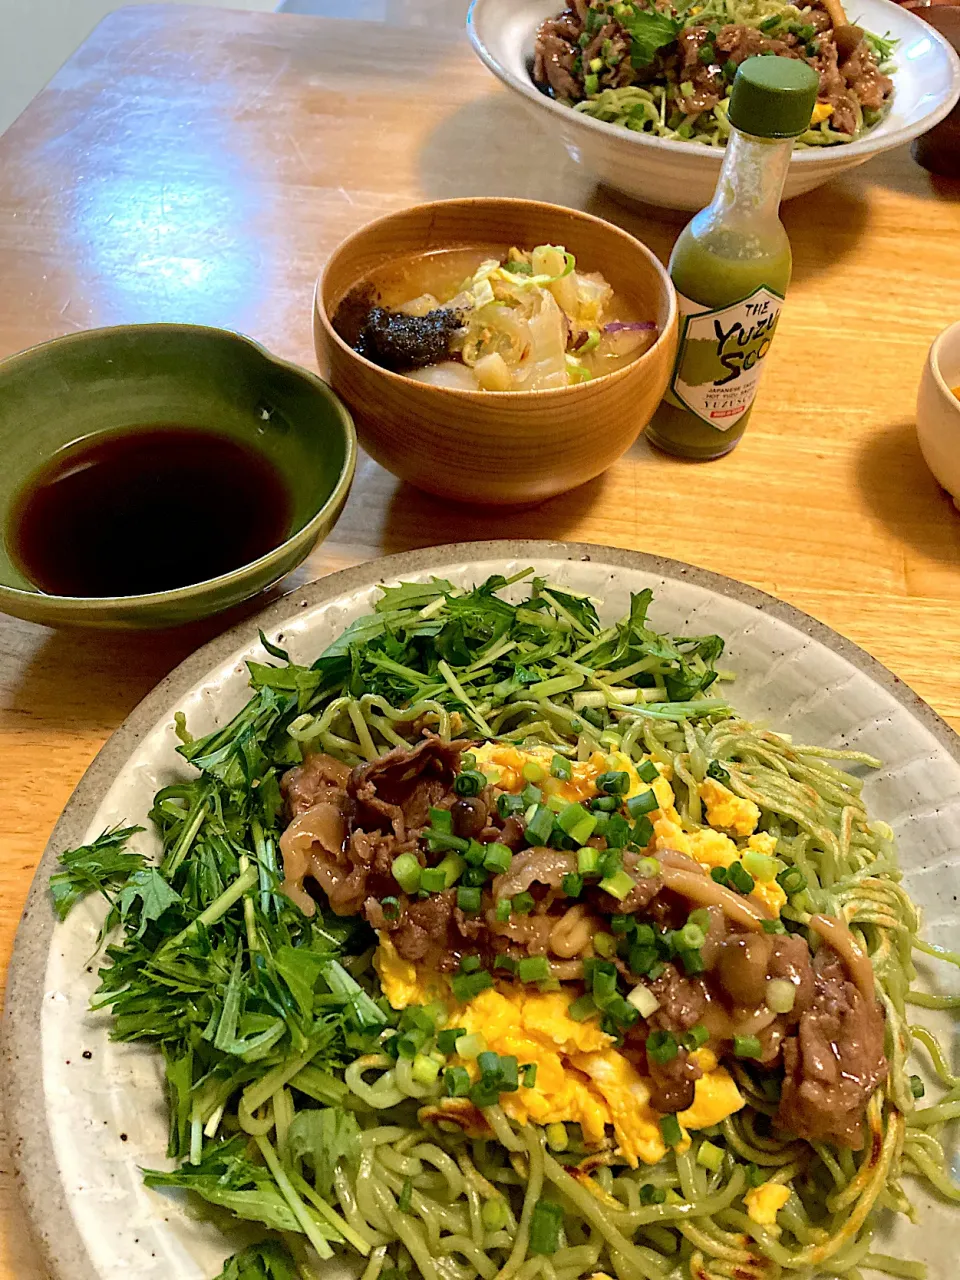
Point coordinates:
[(199, 165)]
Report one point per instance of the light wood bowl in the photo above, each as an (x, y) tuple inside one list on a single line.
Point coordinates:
[(502, 448)]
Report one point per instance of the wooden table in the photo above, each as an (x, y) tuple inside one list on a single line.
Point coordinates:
[(196, 165)]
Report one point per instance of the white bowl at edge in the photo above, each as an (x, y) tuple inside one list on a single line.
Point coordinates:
[(938, 411), (682, 175)]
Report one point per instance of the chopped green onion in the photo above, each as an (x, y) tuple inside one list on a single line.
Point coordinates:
[(469, 964), (523, 903), (604, 804), (390, 908), (643, 1000), (760, 865), (410, 1043), (484, 1095), (529, 1070), (670, 1128), (509, 1080), (488, 1064), (572, 885), (474, 854), (469, 899), (468, 760), (531, 795), (701, 918), (576, 822), (447, 1039), (642, 832), (662, 1047), (557, 1137), (771, 23), (715, 769), (649, 1194), (718, 875), (406, 872), (469, 783), (686, 88), (588, 861), (792, 880), (441, 820), (443, 876), (615, 782), (556, 803), (497, 858), (707, 54), (596, 65), (739, 878), (545, 1227), (533, 969), (641, 959), (582, 1008), (693, 962), (471, 1046), (619, 885), (456, 1082), (781, 994), (773, 926), (605, 944), (747, 1047), (917, 1087), (603, 981), (508, 806), (617, 831), (622, 924), (622, 1013), (540, 826), (504, 961), (729, 74), (533, 771), (695, 1038), (406, 1196), (475, 877), (710, 1157), (502, 911), (425, 1069), (648, 867), (645, 802), (467, 985), (611, 861), (647, 771), (561, 768), (591, 85), (691, 937)]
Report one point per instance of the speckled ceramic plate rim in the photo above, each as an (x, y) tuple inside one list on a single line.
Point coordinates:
[(35, 1166)]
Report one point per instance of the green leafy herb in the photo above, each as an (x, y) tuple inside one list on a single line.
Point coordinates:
[(94, 868)]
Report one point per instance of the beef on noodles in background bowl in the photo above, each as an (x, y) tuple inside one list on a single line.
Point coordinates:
[(156, 474), (487, 446), (679, 174)]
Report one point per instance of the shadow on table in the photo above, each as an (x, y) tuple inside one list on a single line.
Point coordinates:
[(91, 680), (904, 496), (415, 519)]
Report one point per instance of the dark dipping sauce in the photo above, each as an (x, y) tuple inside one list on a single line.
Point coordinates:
[(135, 512)]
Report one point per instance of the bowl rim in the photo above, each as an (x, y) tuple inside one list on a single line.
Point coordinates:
[(499, 397), (85, 604), (873, 144), (934, 360)]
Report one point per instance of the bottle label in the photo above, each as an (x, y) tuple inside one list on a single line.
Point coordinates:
[(721, 354)]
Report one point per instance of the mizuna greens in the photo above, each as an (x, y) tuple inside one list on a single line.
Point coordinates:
[(267, 1019)]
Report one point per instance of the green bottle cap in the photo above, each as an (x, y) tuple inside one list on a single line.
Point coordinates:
[(773, 97)]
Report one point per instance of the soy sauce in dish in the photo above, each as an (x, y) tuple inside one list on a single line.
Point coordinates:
[(134, 512)]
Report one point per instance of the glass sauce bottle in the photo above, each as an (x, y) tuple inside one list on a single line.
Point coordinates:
[(732, 264)]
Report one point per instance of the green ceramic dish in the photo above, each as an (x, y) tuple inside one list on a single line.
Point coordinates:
[(87, 384)]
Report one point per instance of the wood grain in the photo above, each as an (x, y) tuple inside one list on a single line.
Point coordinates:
[(514, 447), (198, 165)]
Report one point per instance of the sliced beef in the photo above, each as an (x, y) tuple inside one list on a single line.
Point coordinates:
[(313, 781), (398, 790), (740, 42), (835, 1062), (707, 78), (555, 60), (682, 1001)]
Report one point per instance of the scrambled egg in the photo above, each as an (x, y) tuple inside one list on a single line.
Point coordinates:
[(507, 763), (724, 809), (765, 1202), (581, 1077), (822, 111)]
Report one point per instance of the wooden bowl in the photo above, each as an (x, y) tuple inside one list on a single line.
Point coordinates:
[(498, 447)]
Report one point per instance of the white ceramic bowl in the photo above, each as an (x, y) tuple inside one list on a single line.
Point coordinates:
[(938, 411), (682, 175)]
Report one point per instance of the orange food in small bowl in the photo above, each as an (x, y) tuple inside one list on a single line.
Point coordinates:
[(524, 380)]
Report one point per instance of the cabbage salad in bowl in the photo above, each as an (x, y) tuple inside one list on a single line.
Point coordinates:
[(495, 943), (666, 70)]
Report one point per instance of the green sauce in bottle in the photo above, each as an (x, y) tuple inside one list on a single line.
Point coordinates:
[(732, 264)]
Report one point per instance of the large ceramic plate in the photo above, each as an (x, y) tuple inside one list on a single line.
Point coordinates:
[(85, 1114)]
